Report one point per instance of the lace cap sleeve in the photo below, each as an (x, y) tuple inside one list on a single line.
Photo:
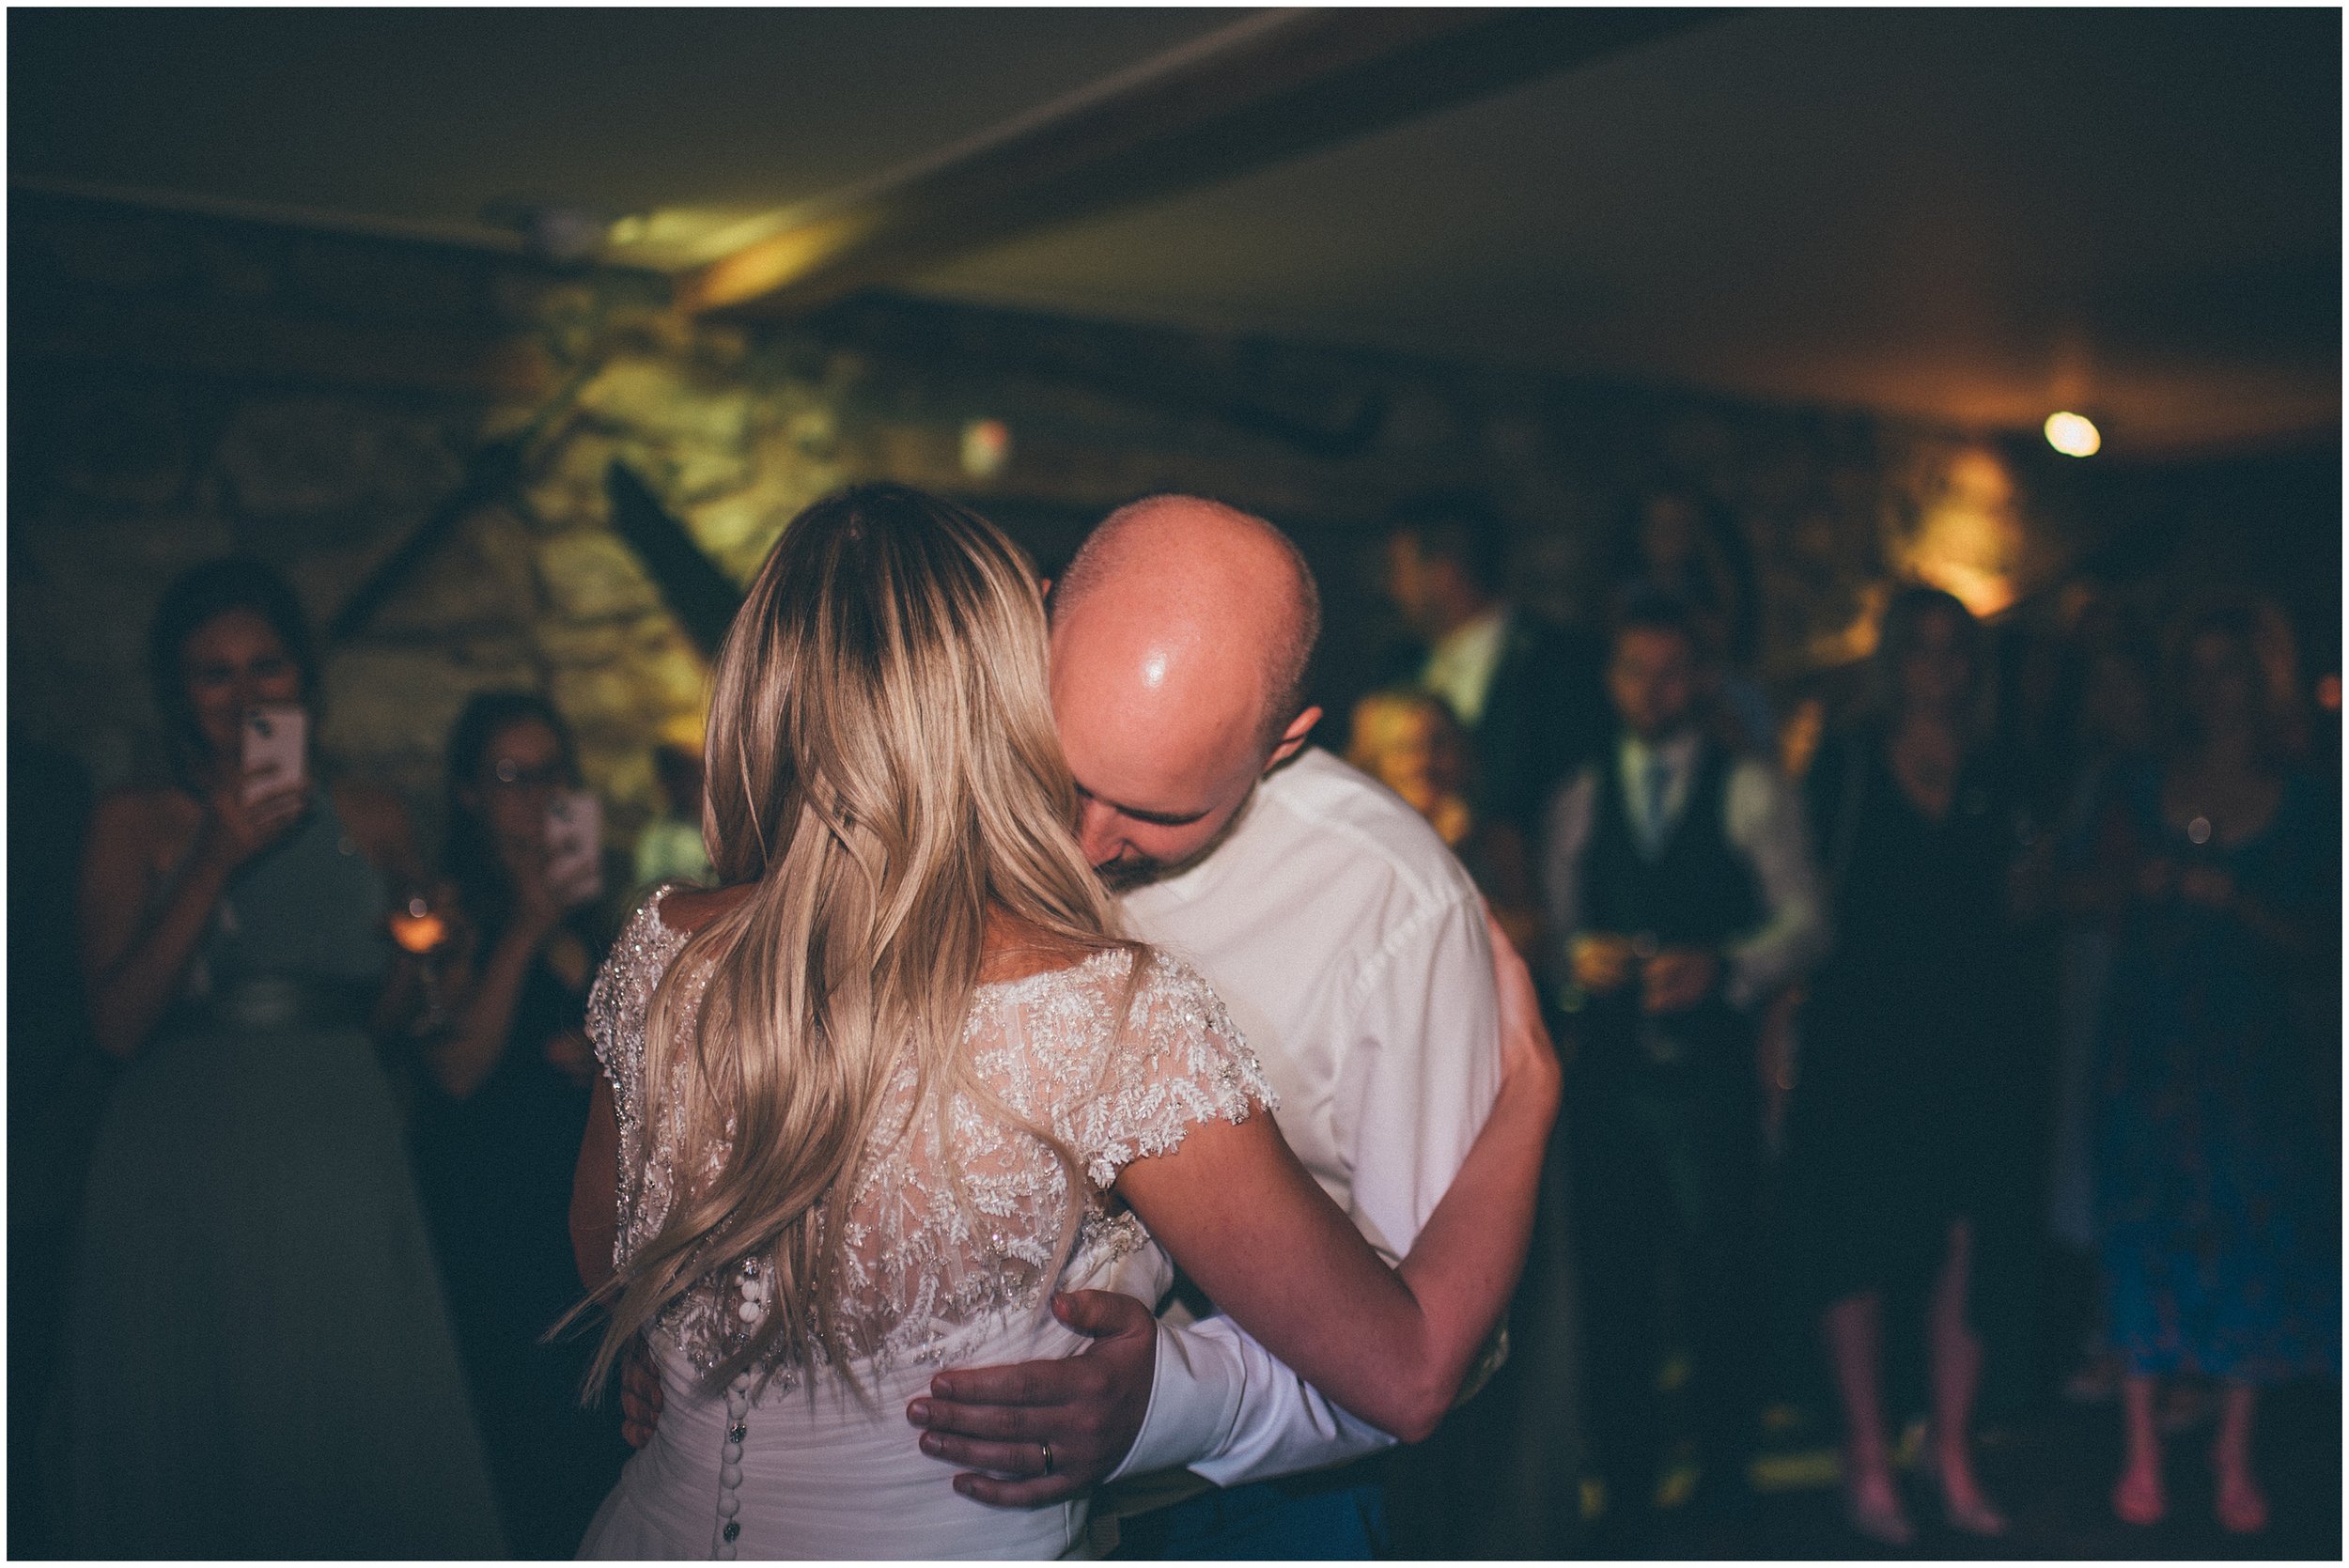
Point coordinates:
[(622, 992), (617, 1008), (1180, 1061)]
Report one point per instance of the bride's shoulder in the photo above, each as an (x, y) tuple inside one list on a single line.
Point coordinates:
[(652, 936), (1163, 979), (1157, 1053), (1173, 1002), (670, 913), (686, 909), (1141, 1002)]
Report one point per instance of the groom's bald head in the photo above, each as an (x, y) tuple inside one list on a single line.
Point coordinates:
[(1180, 563), (1180, 636)]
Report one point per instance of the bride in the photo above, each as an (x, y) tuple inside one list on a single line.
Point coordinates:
[(900, 1080)]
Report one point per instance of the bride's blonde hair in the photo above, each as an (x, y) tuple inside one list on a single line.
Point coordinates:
[(883, 769)]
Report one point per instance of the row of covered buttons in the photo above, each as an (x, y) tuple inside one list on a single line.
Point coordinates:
[(738, 1425)]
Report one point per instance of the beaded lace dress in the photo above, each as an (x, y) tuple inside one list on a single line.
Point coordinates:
[(952, 1233)]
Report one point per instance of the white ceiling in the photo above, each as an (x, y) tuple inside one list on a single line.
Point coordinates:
[(1972, 216)]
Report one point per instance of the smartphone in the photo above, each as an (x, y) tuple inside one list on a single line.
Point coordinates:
[(276, 750), (575, 845)]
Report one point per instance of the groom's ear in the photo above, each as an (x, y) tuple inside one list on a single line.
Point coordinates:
[(1292, 738)]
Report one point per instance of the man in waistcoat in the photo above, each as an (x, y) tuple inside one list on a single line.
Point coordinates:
[(1681, 896)]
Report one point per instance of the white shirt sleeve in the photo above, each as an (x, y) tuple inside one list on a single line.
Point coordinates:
[(1764, 820), (1422, 1070), (1570, 816), (1223, 1406)]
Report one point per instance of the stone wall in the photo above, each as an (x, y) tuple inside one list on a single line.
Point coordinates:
[(183, 387)]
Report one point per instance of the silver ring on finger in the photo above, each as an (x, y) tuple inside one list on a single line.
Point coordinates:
[(1046, 1446)]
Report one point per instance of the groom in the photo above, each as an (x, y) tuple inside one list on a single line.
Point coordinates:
[(1352, 949)]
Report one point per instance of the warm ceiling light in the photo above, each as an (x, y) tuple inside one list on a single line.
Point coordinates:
[(2073, 436)]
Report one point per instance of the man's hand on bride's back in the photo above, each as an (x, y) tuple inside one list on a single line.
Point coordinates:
[(1055, 1428)]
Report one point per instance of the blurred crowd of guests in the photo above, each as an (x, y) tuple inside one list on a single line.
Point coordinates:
[(2037, 941), (2032, 949)]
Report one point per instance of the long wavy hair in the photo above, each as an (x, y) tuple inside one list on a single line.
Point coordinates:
[(882, 772)]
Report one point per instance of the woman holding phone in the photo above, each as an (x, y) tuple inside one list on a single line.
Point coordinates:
[(505, 1104), (261, 1361)]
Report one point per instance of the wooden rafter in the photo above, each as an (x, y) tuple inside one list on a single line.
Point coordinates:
[(1267, 87), (493, 473), (220, 340), (701, 596)]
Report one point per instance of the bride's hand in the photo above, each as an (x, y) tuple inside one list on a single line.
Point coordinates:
[(1529, 1062)]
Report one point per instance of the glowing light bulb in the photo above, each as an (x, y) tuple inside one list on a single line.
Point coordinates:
[(2073, 435)]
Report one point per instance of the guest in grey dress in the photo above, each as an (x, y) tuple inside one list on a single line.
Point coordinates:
[(260, 1364)]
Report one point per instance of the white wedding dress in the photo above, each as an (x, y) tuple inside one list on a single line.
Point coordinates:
[(942, 1271)]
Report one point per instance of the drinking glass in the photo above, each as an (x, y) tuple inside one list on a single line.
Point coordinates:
[(420, 927)]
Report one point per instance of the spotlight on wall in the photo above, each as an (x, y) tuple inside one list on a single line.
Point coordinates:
[(986, 447), (2073, 435)]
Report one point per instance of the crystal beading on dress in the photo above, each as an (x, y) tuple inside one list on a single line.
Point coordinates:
[(954, 1223)]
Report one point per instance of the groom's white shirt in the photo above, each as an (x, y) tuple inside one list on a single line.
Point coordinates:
[(1351, 947)]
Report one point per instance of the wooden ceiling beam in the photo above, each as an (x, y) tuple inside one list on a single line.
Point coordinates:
[(215, 339), (1267, 87)]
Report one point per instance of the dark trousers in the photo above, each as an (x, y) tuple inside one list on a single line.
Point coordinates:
[(1290, 1521), (1666, 1167)]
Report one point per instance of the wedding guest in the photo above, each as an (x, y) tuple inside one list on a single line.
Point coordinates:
[(1448, 1489), (2217, 1204), (498, 1124), (786, 1054), (1409, 741), (1677, 545), (261, 1362), (2111, 718), (670, 847), (1888, 1133), (1680, 898), (1528, 694)]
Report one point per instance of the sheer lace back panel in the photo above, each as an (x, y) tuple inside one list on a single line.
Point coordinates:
[(958, 1213)]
